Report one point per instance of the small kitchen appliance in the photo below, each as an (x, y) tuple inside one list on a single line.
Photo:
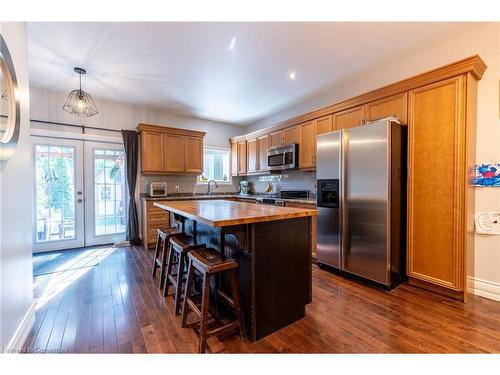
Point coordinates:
[(157, 189), (244, 188), (282, 157)]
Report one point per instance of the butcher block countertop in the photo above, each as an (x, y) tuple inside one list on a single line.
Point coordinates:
[(221, 213)]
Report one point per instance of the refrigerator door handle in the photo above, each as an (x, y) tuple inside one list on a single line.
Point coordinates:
[(344, 233)]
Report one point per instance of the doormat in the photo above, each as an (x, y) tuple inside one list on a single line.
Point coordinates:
[(65, 260)]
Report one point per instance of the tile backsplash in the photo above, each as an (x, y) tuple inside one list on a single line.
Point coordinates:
[(187, 184), (287, 180)]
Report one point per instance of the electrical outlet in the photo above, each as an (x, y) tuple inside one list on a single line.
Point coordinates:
[(177, 188)]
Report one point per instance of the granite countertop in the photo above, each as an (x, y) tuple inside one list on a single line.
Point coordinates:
[(184, 197), (221, 212)]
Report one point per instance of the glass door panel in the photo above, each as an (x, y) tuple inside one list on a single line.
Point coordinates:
[(105, 181), (58, 216)]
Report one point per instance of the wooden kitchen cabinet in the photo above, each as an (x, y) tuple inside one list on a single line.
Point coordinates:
[(395, 105), (167, 150), (437, 188), (239, 156), (307, 146), (174, 153), (276, 139), (285, 137), (152, 159), (324, 124), (234, 159), (252, 155), (193, 154), (153, 218), (242, 158), (349, 118), (291, 135), (262, 154)]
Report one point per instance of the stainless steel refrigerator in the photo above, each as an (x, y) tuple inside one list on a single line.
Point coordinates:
[(361, 196)]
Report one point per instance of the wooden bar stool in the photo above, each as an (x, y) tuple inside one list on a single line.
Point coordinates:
[(180, 246), (161, 249), (208, 263)]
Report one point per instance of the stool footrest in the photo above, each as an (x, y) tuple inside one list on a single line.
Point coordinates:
[(226, 298), (223, 328), (193, 307)]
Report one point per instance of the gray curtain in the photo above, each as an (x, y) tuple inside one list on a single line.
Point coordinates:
[(131, 143)]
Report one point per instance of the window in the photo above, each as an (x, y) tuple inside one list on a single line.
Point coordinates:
[(215, 166)]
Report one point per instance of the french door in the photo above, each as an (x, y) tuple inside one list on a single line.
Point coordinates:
[(80, 194), (106, 203)]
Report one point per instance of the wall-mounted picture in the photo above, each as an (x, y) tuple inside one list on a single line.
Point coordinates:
[(487, 175)]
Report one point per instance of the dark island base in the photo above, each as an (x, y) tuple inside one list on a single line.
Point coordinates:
[(274, 269)]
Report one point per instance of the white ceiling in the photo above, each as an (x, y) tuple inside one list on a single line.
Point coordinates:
[(188, 68)]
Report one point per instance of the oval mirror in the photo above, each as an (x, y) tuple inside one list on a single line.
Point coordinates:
[(9, 105)]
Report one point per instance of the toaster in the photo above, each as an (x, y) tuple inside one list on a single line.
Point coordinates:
[(157, 189)]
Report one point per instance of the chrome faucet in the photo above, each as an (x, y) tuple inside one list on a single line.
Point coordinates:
[(209, 190)]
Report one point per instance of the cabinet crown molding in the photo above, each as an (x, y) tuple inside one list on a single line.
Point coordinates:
[(170, 130), (473, 64)]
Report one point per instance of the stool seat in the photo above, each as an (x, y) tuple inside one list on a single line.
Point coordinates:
[(210, 261), (171, 231), (184, 242)]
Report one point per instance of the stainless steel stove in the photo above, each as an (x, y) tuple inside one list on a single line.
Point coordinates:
[(284, 194)]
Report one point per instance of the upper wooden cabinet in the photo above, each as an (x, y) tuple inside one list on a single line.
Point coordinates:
[(152, 156), (252, 155), (324, 124), (276, 139), (437, 178), (174, 153), (262, 152), (285, 137), (239, 160), (167, 150), (234, 159), (349, 118), (396, 105), (242, 158), (193, 155), (291, 135), (308, 139), (307, 147)]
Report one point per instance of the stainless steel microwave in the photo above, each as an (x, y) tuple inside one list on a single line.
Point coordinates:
[(283, 157)]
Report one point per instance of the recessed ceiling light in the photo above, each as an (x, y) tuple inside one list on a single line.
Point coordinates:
[(292, 75), (232, 44)]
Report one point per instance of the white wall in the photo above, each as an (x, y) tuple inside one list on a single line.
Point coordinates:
[(47, 105), (16, 285), (484, 41)]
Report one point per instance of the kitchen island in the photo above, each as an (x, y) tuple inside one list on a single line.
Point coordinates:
[(272, 246)]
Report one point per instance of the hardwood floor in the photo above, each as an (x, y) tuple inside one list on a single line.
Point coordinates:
[(115, 307)]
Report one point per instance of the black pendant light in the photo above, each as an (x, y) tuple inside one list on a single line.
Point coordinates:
[(79, 102)]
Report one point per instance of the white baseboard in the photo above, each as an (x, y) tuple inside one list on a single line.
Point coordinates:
[(17, 341), (487, 289)]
